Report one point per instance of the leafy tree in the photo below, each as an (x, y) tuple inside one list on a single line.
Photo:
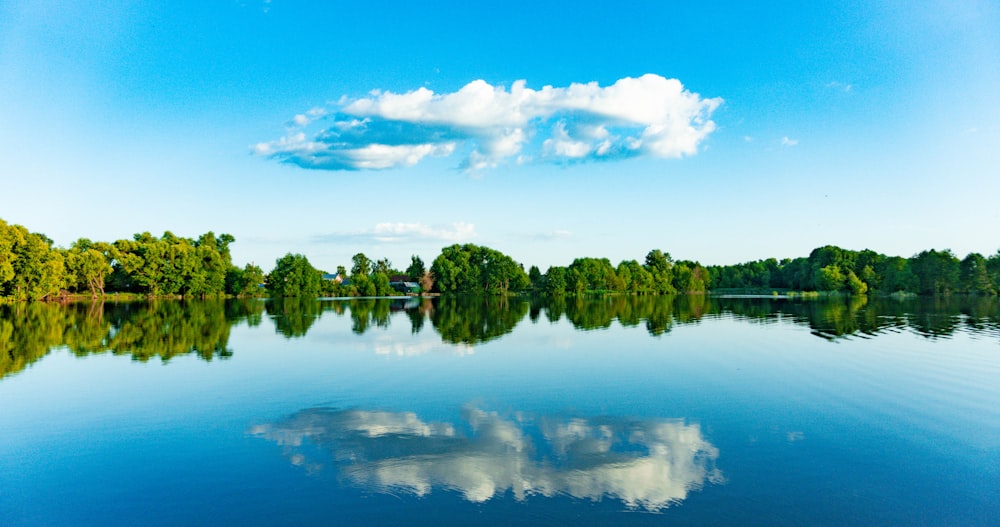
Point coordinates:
[(535, 278), (855, 285), (88, 265), (896, 275), (426, 281), (594, 274), (293, 276), (380, 282), (974, 275), (38, 271), (473, 269), (555, 280), (635, 278), (245, 281), (993, 269), (830, 278), (384, 266), (362, 265), (660, 266), (11, 236), (937, 272), (416, 269)]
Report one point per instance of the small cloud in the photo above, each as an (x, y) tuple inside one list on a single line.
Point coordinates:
[(839, 86), (304, 119), (645, 116), (795, 436), (787, 141), (748, 138), (406, 233), (558, 234)]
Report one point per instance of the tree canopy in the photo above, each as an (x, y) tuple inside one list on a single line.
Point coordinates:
[(32, 268)]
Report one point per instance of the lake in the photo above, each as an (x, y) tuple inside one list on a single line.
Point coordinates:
[(604, 410)]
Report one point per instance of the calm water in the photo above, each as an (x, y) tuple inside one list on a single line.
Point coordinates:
[(646, 411)]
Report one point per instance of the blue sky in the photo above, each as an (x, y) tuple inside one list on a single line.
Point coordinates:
[(717, 131)]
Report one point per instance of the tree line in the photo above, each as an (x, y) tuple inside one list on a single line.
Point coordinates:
[(831, 268), (32, 268)]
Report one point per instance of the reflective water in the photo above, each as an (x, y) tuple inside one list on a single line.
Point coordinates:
[(624, 410)]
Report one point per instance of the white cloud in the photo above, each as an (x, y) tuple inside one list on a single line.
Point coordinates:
[(839, 86), (388, 232), (558, 234), (647, 464), (648, 115), (786, 141)]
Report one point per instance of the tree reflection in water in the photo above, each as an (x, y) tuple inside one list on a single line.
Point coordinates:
[(166, 329), (143, 331)]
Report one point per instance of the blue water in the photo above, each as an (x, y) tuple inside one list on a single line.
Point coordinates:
[(722, 420)]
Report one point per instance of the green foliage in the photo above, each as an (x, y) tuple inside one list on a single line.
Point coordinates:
[(594, 274), (293, 316), (471, 269), (464, 320), (974, 276), (416, 269), (635, 277), (142, 331), (88, 265), (937, 272), (380, 282), (30, 268), (855, 285), (293, 276), (362, 265), (660, 266), (245, 282), (535, 278), (172, 265), (555, 280)]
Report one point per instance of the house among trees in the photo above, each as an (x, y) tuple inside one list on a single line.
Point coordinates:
[(401, 283), (338, 278)]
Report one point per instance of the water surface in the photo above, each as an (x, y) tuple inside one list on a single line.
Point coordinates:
[(631, 410)]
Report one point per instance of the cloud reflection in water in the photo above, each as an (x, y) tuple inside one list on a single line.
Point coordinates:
[(647, 464)]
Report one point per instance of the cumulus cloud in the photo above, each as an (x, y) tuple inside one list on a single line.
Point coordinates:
[(649, 115), (648, 464), (399, 232), (787, 141)]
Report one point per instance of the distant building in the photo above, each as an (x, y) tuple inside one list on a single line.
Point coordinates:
[(405, 286)]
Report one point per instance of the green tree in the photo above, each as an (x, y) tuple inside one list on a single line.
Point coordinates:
[(39, 271), (974, 275), (416, 269), (660, 266), (380, 282), (830, 278), (88, 265), (555, 280), (855, 285), (246, 281), (362, 265), (384, 266), (937, 272), (472, 269), (293, 276), (535, 278)]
